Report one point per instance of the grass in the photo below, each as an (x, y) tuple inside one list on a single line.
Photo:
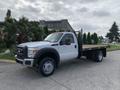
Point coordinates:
[(7, 56), (2, 50), (114, 47)]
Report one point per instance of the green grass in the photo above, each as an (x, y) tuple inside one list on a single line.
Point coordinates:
[(114, 47), (2, 50), (7, 56)]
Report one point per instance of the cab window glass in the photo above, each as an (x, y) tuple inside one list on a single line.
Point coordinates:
[(68, 36)]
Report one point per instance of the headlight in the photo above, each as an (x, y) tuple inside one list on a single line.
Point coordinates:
[(32, 52)]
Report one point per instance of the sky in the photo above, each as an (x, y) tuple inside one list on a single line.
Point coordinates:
[(91, 15)]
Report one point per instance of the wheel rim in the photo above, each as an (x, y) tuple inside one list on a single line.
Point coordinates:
[(100, 56), (48, 67)]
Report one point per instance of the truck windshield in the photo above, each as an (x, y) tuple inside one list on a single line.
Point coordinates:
[(54, 37)]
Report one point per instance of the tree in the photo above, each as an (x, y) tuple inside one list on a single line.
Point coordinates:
[(8, 15), (84, 38), (38, 33), (46, 31), (94, 38), (10, 30), (89, 41), (101, 39), (113, 34), (23, 30)]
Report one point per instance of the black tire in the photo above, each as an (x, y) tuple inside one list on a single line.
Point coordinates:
[(47, 66), (98, 56)]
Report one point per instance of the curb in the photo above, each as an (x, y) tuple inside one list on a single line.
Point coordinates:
[(7, 61)]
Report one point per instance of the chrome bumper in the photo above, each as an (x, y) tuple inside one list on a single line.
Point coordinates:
[(26, 62)]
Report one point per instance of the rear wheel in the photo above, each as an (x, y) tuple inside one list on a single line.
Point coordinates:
[(47, 66), (98, 56)]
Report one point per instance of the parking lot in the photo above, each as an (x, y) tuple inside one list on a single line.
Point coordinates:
[(73, 75)]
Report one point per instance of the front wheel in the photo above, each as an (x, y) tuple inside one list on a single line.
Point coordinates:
[(47, 66)]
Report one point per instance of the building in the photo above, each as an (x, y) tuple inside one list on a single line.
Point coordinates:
[(58, 25)]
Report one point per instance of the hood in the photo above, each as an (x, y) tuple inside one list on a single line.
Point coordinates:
[(35, 44)]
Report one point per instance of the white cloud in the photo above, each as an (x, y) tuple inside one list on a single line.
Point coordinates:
[(92, 15), (61, 2)]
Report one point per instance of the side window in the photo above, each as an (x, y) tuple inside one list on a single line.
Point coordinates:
[(67, 36)]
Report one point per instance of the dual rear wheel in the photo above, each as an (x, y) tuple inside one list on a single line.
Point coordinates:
[(96, 56)]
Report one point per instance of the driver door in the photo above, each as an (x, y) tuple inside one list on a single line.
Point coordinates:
[(68, 48)]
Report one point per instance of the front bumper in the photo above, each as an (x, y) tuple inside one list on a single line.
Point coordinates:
[(26, 62)]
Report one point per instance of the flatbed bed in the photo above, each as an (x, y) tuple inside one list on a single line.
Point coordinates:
[(92, 47)]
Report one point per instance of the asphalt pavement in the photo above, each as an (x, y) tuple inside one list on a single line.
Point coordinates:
[(71, 75)]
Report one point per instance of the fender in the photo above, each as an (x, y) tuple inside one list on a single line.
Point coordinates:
[(45, 51)]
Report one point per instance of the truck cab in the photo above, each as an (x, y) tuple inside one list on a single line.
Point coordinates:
[(59, 46)]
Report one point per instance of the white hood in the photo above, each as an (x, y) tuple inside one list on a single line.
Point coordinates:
[(35, 44)]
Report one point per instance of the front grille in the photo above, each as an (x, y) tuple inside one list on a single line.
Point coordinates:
[(22, 52)]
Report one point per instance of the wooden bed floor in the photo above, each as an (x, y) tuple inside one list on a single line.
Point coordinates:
[(93, 46)]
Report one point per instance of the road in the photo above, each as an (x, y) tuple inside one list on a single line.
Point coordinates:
[(73, 75)]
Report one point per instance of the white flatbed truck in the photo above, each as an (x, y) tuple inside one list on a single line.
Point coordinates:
[(46, 55)]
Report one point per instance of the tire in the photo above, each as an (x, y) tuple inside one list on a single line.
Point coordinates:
[(47, 66), (98, 56)]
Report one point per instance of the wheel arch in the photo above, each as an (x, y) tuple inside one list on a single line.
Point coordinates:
[(47, 52)]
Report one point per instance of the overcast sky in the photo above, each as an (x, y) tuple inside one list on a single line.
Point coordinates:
[(91, 15)]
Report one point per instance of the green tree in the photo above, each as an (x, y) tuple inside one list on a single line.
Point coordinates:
[(10, 30), (30, 31), (94, 38), (46, 31), (100, 39), (23, 30), (89, 41), (84, 38), (37, 32), (113, 34), (8, 15)]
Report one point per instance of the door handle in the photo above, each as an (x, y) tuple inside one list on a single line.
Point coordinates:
[(75, 46)]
